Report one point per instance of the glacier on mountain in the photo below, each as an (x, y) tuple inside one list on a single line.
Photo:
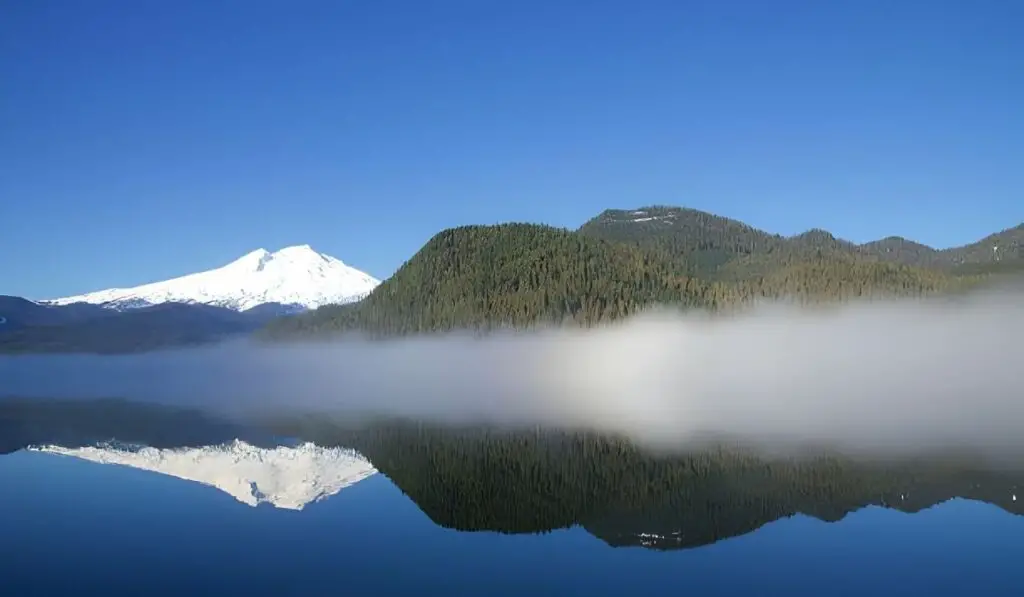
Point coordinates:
[(297, 277), (285, 477)]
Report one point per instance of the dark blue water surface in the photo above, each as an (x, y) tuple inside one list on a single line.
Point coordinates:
[(71, 527)]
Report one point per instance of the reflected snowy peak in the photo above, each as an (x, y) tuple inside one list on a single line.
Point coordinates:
[(284, 476)]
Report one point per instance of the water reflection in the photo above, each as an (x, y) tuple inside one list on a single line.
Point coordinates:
[(474, 479), (288, 477), (551, 513), (528, 482)]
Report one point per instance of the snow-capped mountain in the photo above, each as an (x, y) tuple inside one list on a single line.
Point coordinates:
[(296, 277), (285, 477)]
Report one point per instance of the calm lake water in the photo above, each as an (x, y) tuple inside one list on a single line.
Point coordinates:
[(324, 523)]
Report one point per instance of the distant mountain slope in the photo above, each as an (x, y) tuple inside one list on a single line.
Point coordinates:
[(147, 328), (295, 278), (897, 249), (509, 275), (1001, 251), (17, 312), (1001, 247)]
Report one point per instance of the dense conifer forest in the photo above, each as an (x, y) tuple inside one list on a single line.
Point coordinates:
[(510, 275), (621, 262)]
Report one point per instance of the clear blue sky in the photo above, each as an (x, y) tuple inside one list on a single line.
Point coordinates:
[(142, 140)]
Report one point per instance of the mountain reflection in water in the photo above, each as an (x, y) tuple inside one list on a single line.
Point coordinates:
[(527, 481), (288, 477)]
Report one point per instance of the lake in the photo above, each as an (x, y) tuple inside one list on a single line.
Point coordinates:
[(317, 507)]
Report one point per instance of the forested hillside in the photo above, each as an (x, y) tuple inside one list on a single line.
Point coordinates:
[(520, 275), (510, 275)]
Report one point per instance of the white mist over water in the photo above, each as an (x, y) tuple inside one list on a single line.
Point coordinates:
[(907, 375)]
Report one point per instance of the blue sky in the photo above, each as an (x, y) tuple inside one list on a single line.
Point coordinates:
[(142, 140)]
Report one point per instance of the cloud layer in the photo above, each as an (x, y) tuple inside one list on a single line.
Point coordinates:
[(905, 375)]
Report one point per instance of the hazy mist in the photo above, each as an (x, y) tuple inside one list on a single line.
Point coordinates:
[(907, 375)]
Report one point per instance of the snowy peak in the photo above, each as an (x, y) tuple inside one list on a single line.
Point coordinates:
[(297, 276), (251, 261), (259, 259), (285, 477)]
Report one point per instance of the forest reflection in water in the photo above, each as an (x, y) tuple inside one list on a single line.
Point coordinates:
[(535, 481)]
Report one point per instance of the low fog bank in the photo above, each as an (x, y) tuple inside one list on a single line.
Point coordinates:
[(878, 377)]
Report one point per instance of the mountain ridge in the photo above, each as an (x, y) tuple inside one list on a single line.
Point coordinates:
[(710, 241), (519, 275), (663, 212)]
